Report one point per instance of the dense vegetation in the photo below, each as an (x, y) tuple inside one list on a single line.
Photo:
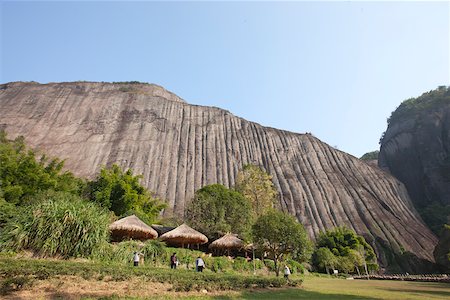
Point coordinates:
[(371, 155), (435, 215), (216, 210), (59, 224), (343, 249), (53, 213), (411, 107), (442, 251), (22, 174), (122, 193)]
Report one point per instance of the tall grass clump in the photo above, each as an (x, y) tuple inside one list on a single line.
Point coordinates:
[(58, 224), (153, 252)]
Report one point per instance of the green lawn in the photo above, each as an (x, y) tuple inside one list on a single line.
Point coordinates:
[(334, 289)]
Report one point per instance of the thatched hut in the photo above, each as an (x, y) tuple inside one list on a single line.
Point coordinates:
[(226, 243), (131, 228), (184, 235)]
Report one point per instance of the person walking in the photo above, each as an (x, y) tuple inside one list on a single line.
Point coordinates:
[(136, 259), (199, 264), (173, 261), (287, 272)]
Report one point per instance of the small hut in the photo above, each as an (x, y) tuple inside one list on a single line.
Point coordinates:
[(131, 228), (184, 235), (226, 243)]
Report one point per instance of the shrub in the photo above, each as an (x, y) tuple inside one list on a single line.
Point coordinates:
[(241, 264), (153, 250), (218, 264), (270, 265), (7, 212), (258, 264), (295, 266), (58, 224)]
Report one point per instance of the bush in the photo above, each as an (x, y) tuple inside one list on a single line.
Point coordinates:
[(218, 264), (153, 251), (295, 266), (58, 224), (7, 212), (270, 265), (241, 264), (258, 264)]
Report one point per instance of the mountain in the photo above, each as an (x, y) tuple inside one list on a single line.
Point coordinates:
[(416, 149), (180, 147)]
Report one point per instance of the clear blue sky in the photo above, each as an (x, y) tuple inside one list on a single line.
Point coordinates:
[(336, 69)]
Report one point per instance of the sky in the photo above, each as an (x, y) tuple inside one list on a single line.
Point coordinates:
[(335, 69)]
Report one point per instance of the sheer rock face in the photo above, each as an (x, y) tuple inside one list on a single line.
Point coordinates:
[(180, 147), (416, 150)]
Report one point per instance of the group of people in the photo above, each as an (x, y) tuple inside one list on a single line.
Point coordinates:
[(199, 263)]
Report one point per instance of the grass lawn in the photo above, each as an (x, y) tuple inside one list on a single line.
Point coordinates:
[(330, 288)]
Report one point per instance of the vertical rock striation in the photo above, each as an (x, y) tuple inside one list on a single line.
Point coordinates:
[(180, 147)]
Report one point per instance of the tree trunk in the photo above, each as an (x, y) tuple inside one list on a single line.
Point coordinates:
[(357, 269), (254, 263), (365, 267), (275, 262)]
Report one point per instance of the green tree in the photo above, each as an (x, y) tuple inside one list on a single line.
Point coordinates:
[(22, 175), (325, 259), (281, 235), (350, 249), (122, 193), (216, 210), (257, 187)]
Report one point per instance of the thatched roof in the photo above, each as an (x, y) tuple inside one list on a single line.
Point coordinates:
[(184, 234), (228, 241), (132, 227)]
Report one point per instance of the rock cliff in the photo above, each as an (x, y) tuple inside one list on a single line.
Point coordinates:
[(416, 147), (180, 147)]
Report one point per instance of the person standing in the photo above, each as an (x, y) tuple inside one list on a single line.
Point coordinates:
[(136, 259), (199, 264), (173, 261), (287, 272)]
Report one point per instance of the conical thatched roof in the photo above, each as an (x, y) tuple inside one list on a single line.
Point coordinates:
[(132, 227), (184, 234), (228, 241)]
